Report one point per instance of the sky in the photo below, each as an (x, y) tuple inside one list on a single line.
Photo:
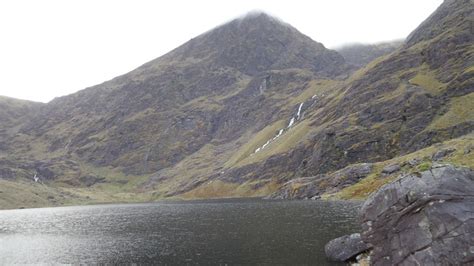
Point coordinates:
[(52, 48)]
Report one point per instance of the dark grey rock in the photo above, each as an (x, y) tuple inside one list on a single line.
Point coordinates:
[(45, 172), (345, 247), (468, 149), (307, 188), (414, 162), (353, 173), (422, 219), (6, 173), (442, 153), (390, 169), (313, 187), (90, 180)]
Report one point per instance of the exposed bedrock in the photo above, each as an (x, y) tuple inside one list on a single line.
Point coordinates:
[(422, 219)]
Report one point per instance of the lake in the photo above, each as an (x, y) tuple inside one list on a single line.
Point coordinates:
[(232, 231)]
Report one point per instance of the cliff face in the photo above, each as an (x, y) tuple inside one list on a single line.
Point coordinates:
[(248, 106)]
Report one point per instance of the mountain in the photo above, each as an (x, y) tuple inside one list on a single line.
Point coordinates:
[(360, 55), (204, 99), (250, 108), (400, 110), (14, 112)]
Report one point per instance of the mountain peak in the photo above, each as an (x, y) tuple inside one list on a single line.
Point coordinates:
[(450, 18), (258, 16), (259, 42)]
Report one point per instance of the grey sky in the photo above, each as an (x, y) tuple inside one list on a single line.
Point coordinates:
[(51, 48)]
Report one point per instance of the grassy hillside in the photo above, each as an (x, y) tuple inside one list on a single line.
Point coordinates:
[(250, 108)]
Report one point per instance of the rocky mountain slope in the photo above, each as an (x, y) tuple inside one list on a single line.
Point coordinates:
[(203, 99), (420, 95), (360, 55), (13, 113), (240, 111)]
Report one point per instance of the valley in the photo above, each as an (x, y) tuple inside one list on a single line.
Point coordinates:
[(251, 108)]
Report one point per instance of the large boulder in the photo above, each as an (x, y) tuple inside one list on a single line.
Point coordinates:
[(422, 219), (345, 247)]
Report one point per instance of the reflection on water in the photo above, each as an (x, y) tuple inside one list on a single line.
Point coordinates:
[(238, 231)]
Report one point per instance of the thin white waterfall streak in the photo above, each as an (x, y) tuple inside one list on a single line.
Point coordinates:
[(292, 121), (298, 114), (280, 132)]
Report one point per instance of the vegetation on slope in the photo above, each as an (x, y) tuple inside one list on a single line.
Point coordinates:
[(463, 155), (188, 124)]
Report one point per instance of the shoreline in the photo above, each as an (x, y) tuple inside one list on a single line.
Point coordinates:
[(185, 200)]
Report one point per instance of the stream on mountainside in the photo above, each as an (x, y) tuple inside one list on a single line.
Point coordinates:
[(232, 231)]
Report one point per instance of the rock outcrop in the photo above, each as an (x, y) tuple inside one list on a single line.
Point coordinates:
[(390, 169), (439, 155), (345, 247), (313, 187), (422, 219)]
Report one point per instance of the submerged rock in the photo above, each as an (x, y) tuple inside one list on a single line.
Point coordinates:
[(422, 219), (345, 247)]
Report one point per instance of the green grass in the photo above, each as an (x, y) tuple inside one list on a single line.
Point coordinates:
[(318, 86), (424, 166), (284, 143), (28, 194), (375, 179), (427, 80), (461, 109), (363, 188), (220, 189), (469, 69), (258, 140), (369, 67)]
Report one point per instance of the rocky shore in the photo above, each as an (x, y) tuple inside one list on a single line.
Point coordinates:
[(422, 218)]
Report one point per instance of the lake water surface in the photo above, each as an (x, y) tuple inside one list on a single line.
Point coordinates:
[(237, 231)]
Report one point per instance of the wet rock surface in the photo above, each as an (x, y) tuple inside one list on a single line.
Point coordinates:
[(345, 247), (422, 219)]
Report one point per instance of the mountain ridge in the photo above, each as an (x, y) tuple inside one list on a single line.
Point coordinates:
[(240, 111), (166, 85), (360, 55)]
